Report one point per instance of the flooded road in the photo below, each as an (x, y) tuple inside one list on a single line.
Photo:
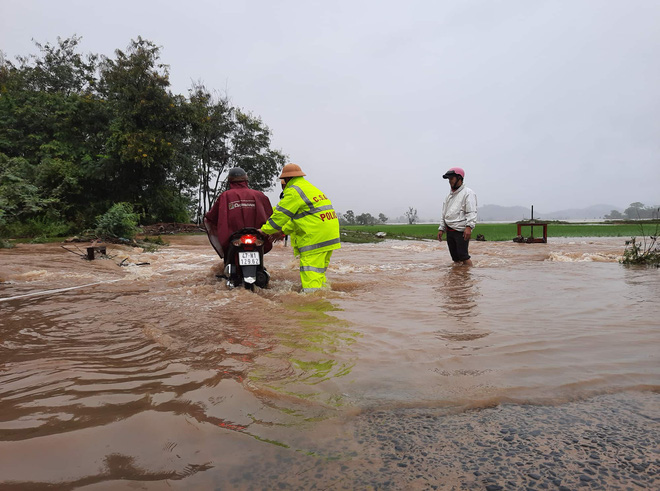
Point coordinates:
[(536, 368)]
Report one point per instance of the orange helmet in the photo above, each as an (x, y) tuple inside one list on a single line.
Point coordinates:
[(292, 170)]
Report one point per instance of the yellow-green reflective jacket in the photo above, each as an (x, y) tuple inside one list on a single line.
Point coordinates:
[(306, 214)]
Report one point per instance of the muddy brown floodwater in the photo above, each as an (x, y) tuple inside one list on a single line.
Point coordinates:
[(537, 368)]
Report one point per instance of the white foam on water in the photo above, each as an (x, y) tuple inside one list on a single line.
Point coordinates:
[(43, 275), (33, 275), (491, 261), (567, 257), (344, 268), (415, 246)]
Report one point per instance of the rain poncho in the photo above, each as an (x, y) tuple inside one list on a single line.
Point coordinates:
[(237, 208)]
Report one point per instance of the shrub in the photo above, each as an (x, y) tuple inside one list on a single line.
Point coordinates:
[(152, 244), (155, 240), (118, 222), (642, 252), (645, 251), (37, 227)]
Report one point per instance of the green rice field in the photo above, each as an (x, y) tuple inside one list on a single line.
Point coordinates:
[(502, 231)]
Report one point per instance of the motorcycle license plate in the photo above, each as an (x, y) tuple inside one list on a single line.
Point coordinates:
[(248, 258)]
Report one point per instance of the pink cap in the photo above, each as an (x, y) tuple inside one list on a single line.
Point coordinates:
[(454, 171)]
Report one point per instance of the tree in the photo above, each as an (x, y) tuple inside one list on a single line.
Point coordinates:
[(209, 128), (146, 121), (349, 216), (251, 151), (638, 210), (382, 218), (19, 198), (365, 219), (52, 118), (81, 133), (61, 69), (634, 210), (221, 137), (614, 215), (411, 215)]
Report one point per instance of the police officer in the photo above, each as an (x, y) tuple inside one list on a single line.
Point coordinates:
[(306, 214)]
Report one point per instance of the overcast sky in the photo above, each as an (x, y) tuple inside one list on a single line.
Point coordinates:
[(554, 104)]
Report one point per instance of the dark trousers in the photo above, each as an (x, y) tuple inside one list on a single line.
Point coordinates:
[(458, 246)]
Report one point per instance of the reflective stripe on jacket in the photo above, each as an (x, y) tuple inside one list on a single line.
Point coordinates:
[(307, 215)]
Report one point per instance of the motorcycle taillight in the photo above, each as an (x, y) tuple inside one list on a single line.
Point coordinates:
[(251, 240)]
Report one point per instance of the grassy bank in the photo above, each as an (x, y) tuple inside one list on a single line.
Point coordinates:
[(500, 231), (491, 231)]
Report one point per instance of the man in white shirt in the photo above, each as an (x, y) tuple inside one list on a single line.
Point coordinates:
[(459, 216)]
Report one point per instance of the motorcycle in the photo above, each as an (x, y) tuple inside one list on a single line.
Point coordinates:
[(245, 260)]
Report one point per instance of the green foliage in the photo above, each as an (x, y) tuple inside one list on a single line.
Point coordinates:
[(366, 219), (155, 240), (21, 201), (645, 251), (221, 137), (78, 133), (167, 205), (347, 218), (359, 236), (148, 246), (39, 227), (614, 215), (118, 222), (251, 151)]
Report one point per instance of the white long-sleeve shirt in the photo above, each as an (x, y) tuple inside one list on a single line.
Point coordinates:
[(459, 210)]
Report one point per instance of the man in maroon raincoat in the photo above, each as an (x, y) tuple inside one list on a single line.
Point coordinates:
[(238, 207)]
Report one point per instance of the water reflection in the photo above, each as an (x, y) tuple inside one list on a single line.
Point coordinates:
[(315, 351), (457, 294), (642, 290), (74, 366)]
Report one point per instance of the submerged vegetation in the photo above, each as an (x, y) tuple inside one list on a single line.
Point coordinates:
[(644, 250)]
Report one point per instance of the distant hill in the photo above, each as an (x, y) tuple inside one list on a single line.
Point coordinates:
[(589, 213), (496, 213)]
